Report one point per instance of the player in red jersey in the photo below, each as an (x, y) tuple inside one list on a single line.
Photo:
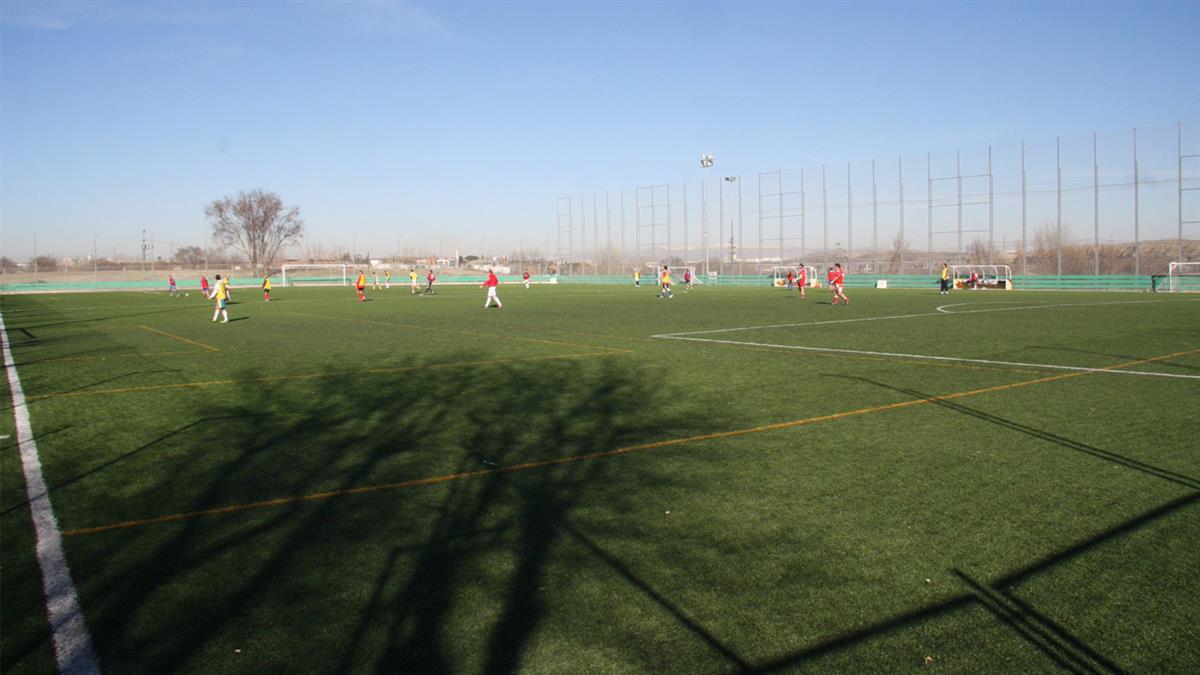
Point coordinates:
[(204, 286), (791, 278), (802, 280), (525, 279), (687, 280), (430, 278), (491, 284), (836, 279), (359, 285)]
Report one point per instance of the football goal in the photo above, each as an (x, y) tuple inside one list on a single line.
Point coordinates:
[(316, 275), (979, 277), (678, 276), (780, 275), (1181, 277)]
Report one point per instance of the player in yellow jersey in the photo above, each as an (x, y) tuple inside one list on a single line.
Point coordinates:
[(945, 280), (266, 286), (359, 285), (222, 298), (665, 284), (412, 277)]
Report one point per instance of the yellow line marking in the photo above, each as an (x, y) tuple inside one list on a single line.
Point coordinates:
[(311, 376), (394, 324), (123, 355), (181, 339), (527, 466)]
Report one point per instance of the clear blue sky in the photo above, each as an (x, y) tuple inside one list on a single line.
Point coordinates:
[(405, 123)]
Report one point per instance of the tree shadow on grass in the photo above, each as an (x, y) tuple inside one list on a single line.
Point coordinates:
[(1040, 434), (1062, 641), (10, 404), (426, 491), (1066, 650), (1123, 357)]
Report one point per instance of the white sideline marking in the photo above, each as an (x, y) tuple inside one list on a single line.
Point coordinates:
[(832, 350), (72, 642)]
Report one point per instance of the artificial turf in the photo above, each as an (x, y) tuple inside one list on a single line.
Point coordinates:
[(417, 484)]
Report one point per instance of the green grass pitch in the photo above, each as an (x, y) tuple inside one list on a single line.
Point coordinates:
[(415, 484)]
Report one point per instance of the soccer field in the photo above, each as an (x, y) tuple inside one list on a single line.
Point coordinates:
[(595, 480)]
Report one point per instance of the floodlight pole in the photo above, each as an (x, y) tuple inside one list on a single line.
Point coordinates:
[(720, 225), (706, 161), (729, 179), (741, 237)]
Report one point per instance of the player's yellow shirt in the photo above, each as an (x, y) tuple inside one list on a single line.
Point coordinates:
[(222, 292), (412, 276), (945, 273), (637, 275), (266, 284), (666, 278)]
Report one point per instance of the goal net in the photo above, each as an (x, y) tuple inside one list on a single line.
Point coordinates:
[(780, 275), (1181, 277), (316, 275), (679, 275), (978, 277)]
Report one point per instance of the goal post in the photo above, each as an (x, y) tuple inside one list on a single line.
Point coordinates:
[(315, 275), (677, 275), (980, 277), (1181, 277), (779, 275)]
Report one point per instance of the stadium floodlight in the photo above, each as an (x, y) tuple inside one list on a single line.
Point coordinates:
[(706, 161)]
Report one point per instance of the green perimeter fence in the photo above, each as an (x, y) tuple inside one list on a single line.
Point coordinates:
[(1078, 282)]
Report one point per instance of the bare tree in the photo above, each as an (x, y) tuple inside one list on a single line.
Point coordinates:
[(1049, 242), (189, 255), (256, 224), (896, 261), (980, 252)]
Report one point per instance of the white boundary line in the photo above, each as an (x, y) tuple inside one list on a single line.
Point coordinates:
[(831, 350), (941, 311), (72, 642)]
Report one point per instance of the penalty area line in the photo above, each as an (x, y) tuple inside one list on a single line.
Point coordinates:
[(72, 642), (952, 359), (939, 311)]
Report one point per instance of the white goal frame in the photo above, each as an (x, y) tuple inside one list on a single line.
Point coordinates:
[(289, 274), (779, 274), (991, 277), (1183, 277), (677, 275)]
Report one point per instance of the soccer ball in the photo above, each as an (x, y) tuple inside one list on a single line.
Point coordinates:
[(186, 294)]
